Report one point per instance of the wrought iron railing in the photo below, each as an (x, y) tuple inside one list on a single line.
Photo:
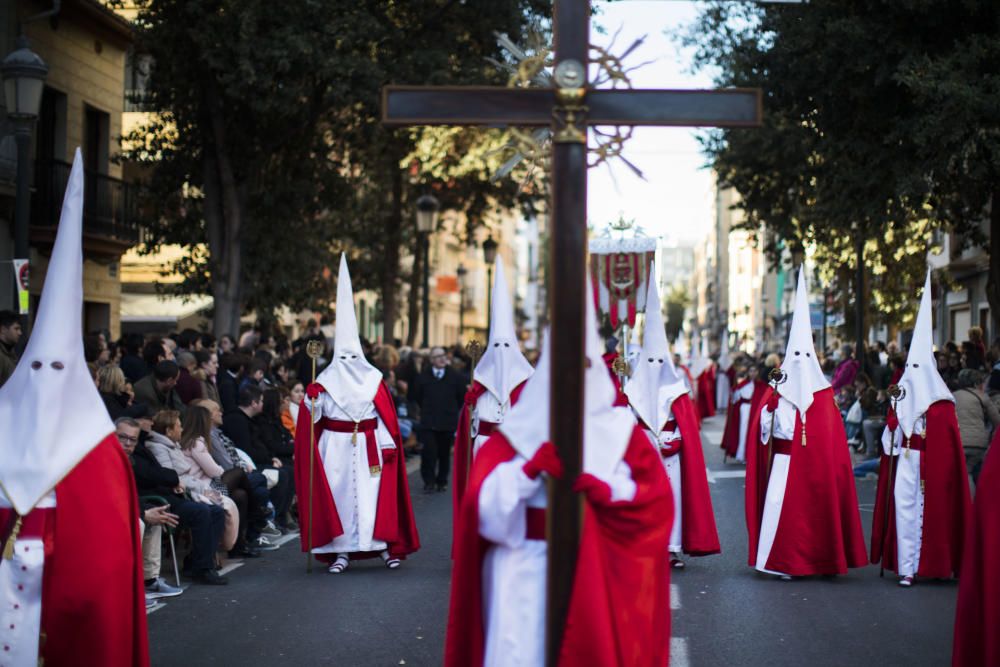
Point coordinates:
[(110, 206)]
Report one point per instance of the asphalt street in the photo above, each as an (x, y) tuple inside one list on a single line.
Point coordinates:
[(273, 613)]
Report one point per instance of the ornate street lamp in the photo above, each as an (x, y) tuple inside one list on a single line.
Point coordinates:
[(23, 73), (427, 218), (489, 256)]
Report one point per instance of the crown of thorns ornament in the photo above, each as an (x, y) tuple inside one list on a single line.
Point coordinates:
[(777, 376), (896, 392), (532, 66), (314, 349)]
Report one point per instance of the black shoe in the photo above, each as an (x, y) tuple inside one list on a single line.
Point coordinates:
[(428, 488), (442, 487), (211, 577), (244, 552)]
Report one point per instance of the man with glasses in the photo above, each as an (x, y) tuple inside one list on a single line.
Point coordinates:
[(439, 390)]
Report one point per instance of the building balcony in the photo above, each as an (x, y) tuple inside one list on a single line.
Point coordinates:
[(110, 209)]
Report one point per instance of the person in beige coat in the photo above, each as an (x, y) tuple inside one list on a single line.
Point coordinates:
[(978, 417), (164, 443)]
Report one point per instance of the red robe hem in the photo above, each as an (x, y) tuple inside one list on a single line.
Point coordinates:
[(731, 432), (699, 536)]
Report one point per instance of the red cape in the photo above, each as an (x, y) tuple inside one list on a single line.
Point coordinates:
[(394, 522), (819, 531), (621, 400), (731, 432), (101, 615), (699, 536), (706, 392), (620, 609), (947, 506), (463, 445), (977, 617)]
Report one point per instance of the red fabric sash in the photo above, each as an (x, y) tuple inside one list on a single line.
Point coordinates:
[(534, 525), (37, 523), (781, 446), (365, 426), (486, 428)]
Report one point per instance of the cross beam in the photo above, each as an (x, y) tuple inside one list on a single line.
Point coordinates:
[(569, 109)]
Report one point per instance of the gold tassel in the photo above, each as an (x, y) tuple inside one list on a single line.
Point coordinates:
[(906, 443), (8, 549), (803, 434), (354, 436)]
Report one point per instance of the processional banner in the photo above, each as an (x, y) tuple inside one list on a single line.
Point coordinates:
[(619, 271)]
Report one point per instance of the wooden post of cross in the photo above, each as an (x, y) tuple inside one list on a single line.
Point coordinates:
[(568, 108)]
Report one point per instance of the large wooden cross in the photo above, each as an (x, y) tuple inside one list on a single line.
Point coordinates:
[(569, 108)]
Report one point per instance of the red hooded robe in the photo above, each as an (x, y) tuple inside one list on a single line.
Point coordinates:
[(977, 615), (731, 432), (947, 506), (620, 608), (706, 392), (394, 522), (819, 531)]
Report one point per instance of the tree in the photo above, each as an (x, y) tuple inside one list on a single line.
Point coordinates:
[(854, 144), (678, 300), (267, 156)]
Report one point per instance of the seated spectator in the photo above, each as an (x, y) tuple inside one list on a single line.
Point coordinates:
[(846, 369), (227, 344), (239, 425), (254, 374), (189, 340), (280, 374), (164, 443), (196, 433), (206, 522), (154, 517), (227, 381), (131, 362), (95, 350), (205, 374), (115, 393), (188, 388), (280, 443), (157, 390), (240, 474)]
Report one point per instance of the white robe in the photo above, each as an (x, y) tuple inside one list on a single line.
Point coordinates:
[(354, 489), (909, 500), (514, 567), (784, 429), (21, 596), (743, 393), (722, 391), (672, 464)]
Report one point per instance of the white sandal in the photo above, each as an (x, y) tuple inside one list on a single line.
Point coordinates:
[(340, 564), (906, 581), (390, 562)]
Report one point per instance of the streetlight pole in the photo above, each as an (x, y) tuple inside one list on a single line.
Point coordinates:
[(23, 73), (490, 256), (461, 271), (427, 216)]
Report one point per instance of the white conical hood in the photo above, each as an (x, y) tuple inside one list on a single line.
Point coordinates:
[(921, 380), (502, 367), (699, 356), (655, 382), (804, 375), (349, 379), (724, 361), (52, 417), (607, 430), (634, 348)]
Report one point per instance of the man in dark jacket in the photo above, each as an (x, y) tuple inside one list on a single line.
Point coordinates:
[(10, 334), (240, 427), (206, 522), (439, 391), (157, 390)]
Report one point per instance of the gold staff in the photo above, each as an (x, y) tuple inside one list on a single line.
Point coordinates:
[(314, 348), (774, 378), (896, 393), (475, 350)]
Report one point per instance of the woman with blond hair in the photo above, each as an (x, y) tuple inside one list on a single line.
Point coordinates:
[(116, 394), (164, 444)]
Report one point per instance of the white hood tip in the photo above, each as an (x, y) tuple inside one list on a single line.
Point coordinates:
[(502, 367)]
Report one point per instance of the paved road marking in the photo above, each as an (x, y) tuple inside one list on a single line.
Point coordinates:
[(284, 539), (230, 566), (679, 652), (675, 597), (155, 607), (724, 474)]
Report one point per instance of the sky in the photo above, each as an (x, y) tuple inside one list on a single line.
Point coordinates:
[(675, 199)]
